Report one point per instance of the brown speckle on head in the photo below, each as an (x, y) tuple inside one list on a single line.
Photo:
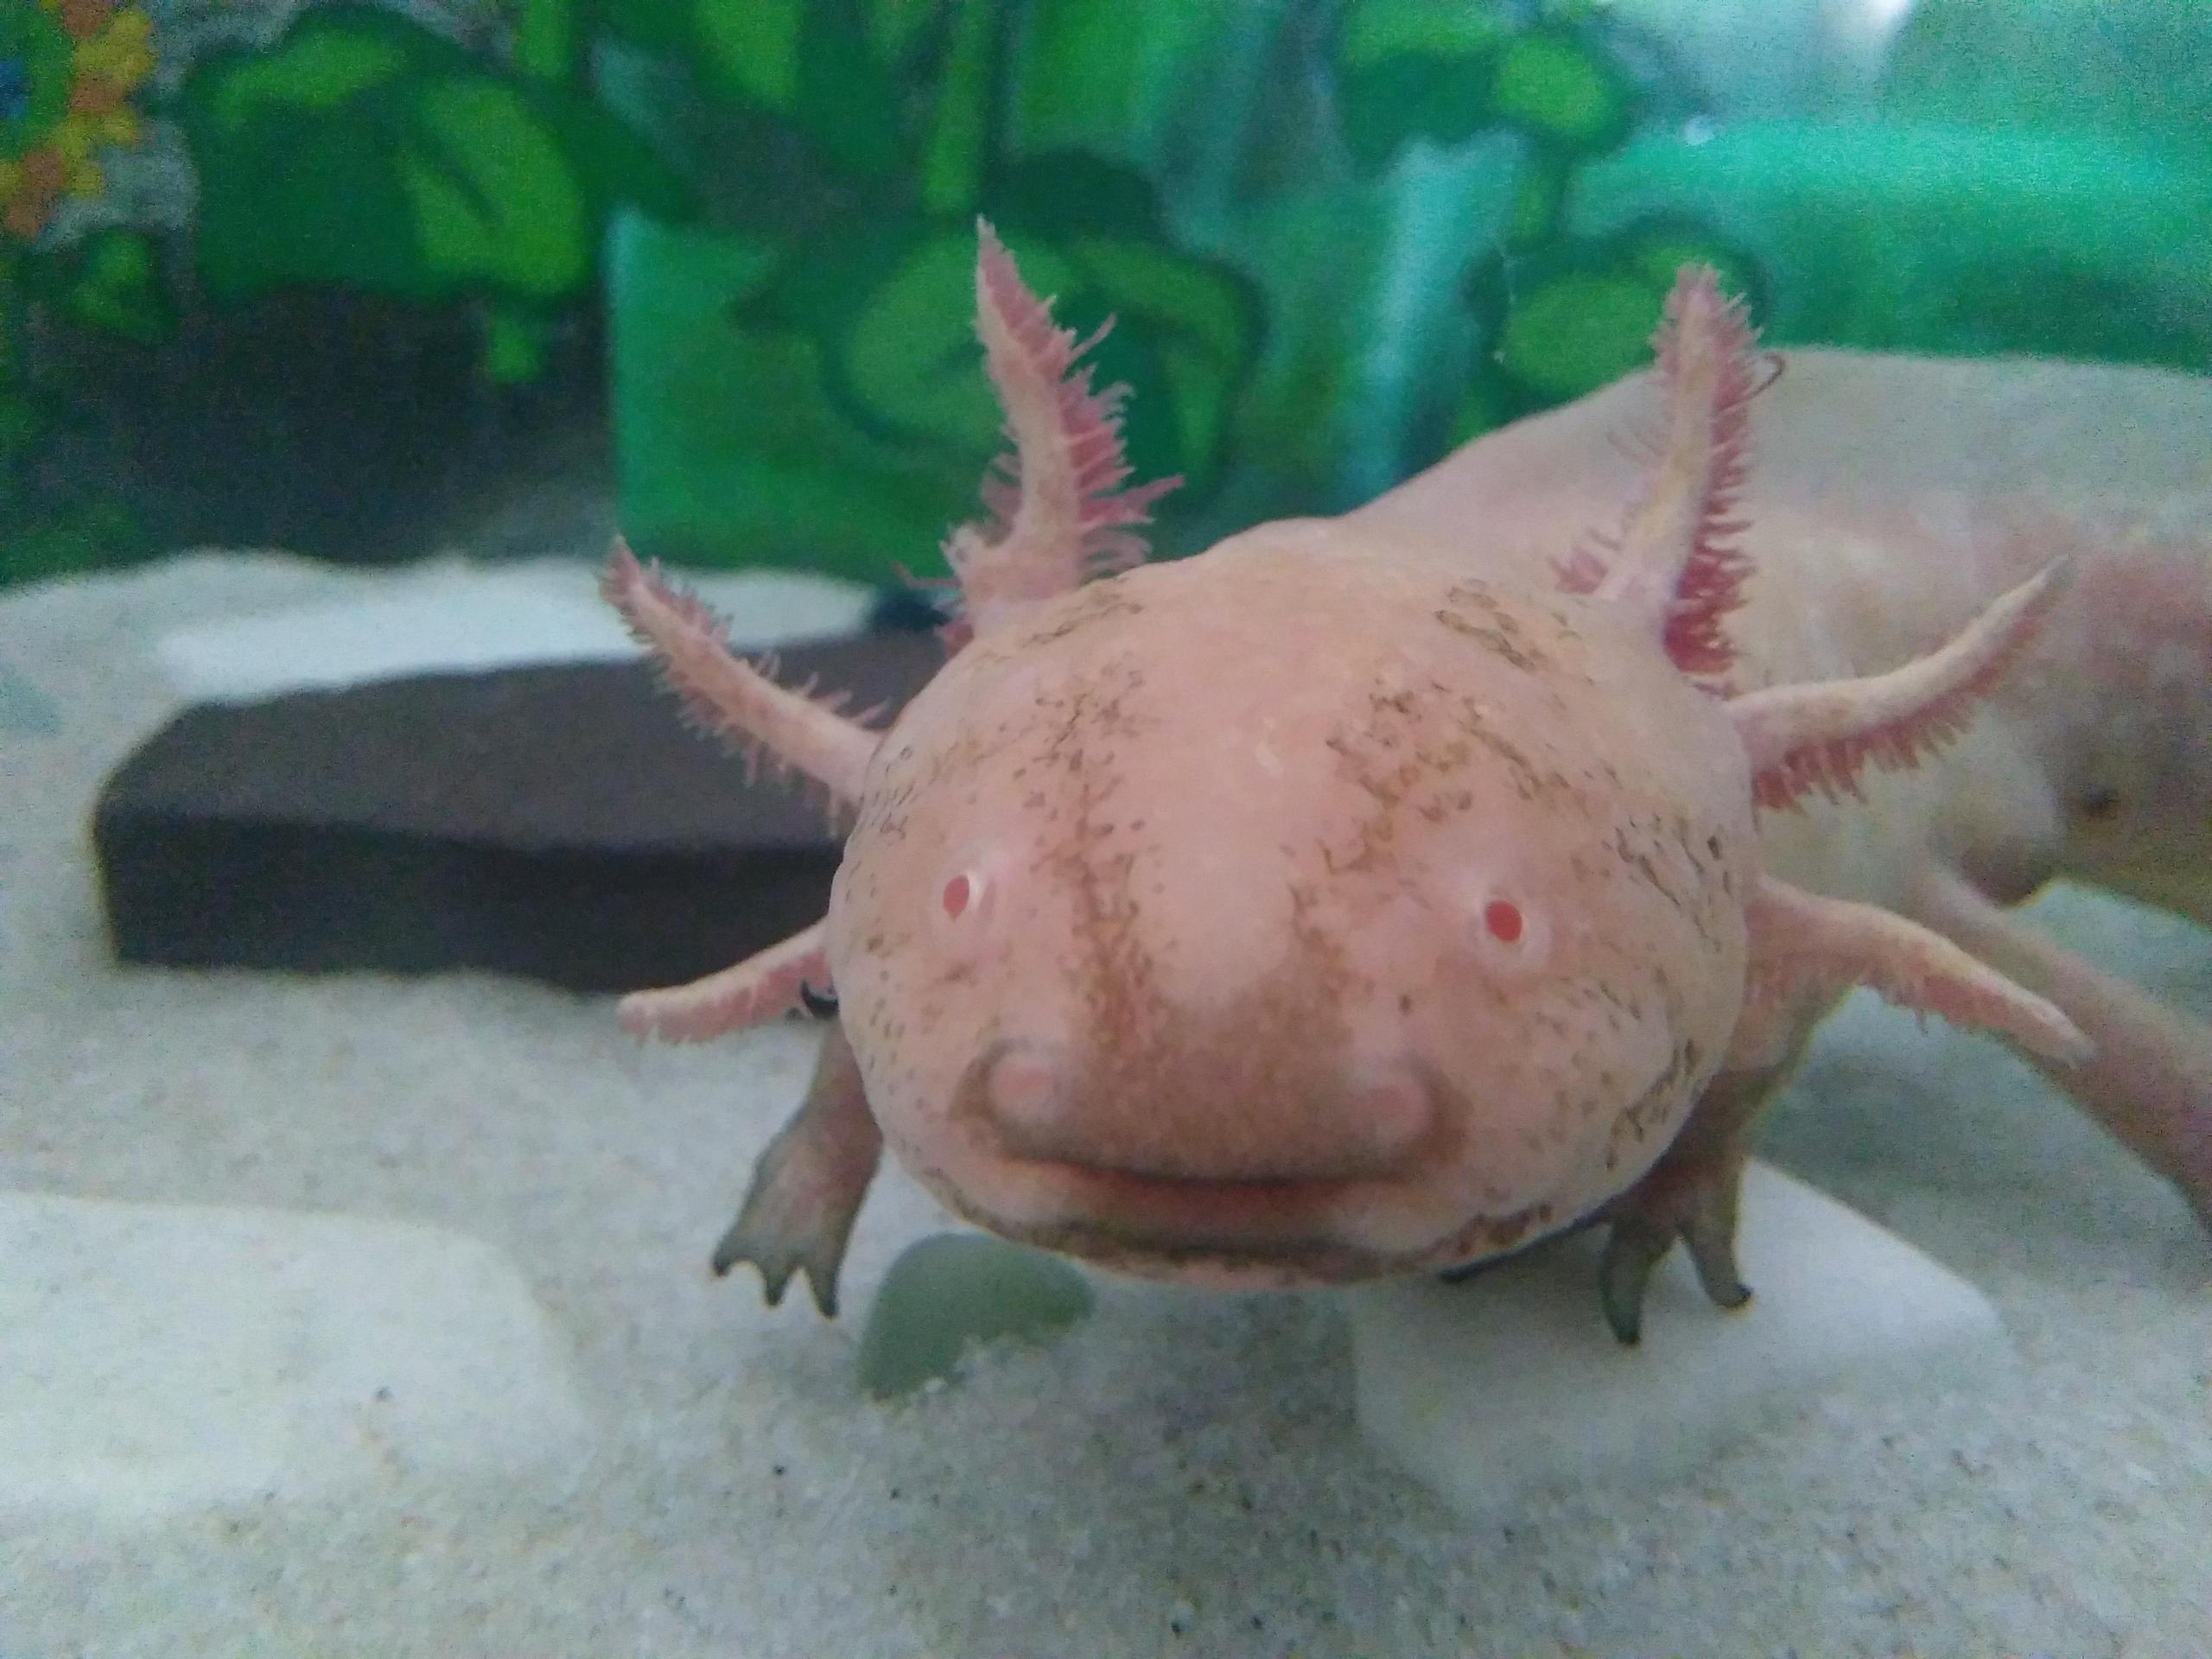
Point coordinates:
[(1474, 610)]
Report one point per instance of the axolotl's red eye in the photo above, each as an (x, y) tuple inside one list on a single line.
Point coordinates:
[(969, 896), (1502, 932), (957, 893)]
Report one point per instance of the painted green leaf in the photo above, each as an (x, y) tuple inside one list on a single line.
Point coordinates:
[(365, 150), (614, 165), (893, 309), (1148, 83), (1062, 193), (1376, 31), (335, 208), (907, 358), (319, 67), (731, 446), (1661, 247), (1186, 341), (1391, 99), (752, 51), (550, 40), (117, 286), (493, 195), (897, 27), (813, 66), (1560, 86), (1185, 335), (827, 404), (92, 535), (1582, 315), (1579, 331), (1486, 403), (962, 119), (1539, 200), (889, 309), (1414, 69), (845, 99)]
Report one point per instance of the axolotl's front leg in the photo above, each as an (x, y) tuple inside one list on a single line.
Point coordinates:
[(809, 1184), (808, 1187)]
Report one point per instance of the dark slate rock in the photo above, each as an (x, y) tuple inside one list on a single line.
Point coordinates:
[(561, 823)]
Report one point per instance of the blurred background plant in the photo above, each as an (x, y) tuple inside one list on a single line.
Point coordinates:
[(361, 279)]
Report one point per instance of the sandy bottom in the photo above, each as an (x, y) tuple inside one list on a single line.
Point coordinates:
[(1180, 1475)]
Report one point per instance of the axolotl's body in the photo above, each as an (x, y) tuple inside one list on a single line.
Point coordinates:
[(1338, 903)]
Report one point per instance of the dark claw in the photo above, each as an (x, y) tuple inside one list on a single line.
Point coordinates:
[(1633, 1250), (1712, 1252), (737, 1247), (1709, 1230), (728, 1252)]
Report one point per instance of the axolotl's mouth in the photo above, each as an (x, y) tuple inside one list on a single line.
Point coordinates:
[(1375, 1206), (1228, 1235)]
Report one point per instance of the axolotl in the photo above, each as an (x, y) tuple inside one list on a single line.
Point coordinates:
[(1337, 903)]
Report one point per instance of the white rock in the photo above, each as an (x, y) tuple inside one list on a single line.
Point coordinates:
[(1509, 1384), (446, 616), (155, 1358)]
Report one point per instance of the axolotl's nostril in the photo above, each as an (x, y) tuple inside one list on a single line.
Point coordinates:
[(1391, 1113), (1022, 1090)]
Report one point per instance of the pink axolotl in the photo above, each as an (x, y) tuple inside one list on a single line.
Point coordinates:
[(1341, 902)]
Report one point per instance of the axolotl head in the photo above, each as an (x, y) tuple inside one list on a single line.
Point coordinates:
[(1319, 907), (1305, 911)]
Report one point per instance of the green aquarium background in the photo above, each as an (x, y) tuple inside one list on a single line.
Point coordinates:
[(335, 277)]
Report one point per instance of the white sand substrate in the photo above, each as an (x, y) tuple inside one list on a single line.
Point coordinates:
[(428, 1361)]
